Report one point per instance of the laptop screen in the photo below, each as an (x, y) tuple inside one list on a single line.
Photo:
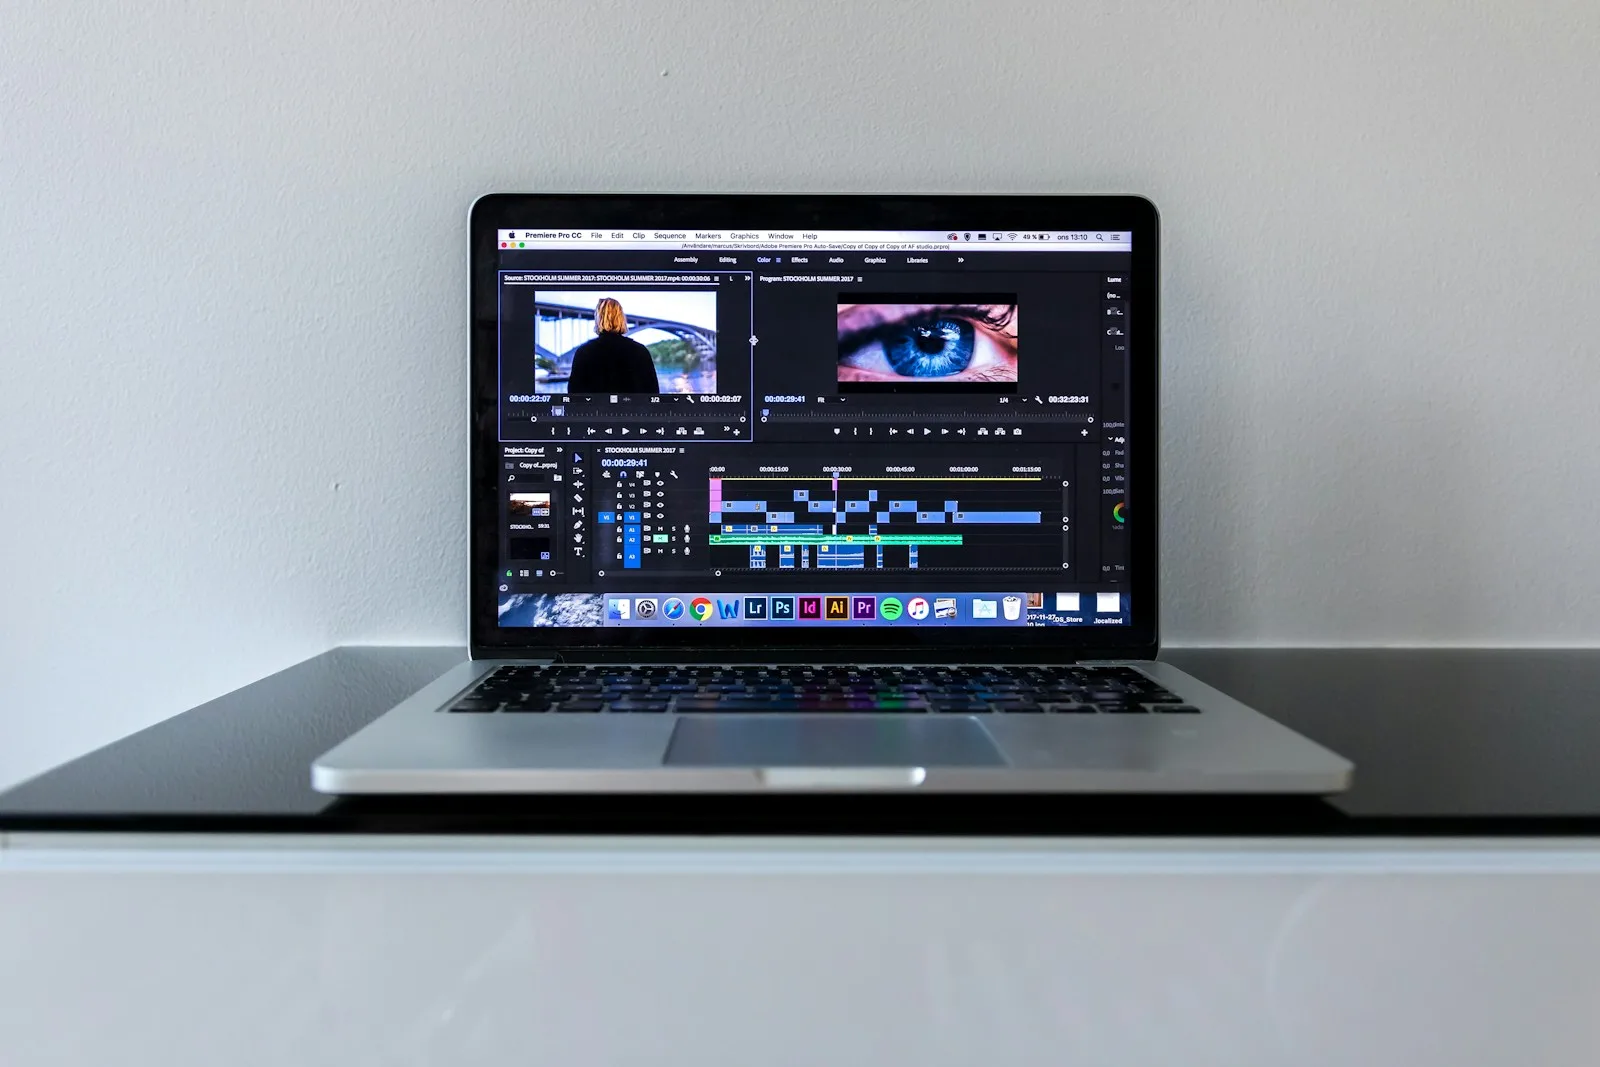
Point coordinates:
[(792, 428)]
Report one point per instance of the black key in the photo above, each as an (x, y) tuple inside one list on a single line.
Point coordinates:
[(957, 708), (475, 704), (579, 705), (1175, 709), (1014, 707), (800, 707), (639, 705), (1071, 709), (527, 705), (723, 707), (1121, 709)]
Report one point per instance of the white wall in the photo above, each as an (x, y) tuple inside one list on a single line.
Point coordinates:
[(232, 313)]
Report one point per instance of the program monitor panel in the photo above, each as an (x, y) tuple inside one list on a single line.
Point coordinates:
[(790, 428)]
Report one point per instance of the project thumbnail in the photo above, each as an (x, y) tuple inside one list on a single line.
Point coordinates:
[(625, 341), (529, 505), (946, 342)]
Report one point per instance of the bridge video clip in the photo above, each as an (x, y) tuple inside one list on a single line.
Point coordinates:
[(677, 326)]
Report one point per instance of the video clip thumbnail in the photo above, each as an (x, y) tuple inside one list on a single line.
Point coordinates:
[(529, 548), (946, 342), (625, 341), (529, 505)]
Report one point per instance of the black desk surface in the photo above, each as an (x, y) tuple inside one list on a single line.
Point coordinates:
[(1444, 742)]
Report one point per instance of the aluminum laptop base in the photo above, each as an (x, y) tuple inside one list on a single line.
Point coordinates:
[(1227, 748)]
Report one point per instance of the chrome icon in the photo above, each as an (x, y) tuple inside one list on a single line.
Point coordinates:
[(673, 609), (700, 608), (918, 608)]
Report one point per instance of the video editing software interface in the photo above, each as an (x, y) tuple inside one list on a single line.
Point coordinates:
[(779, 428)]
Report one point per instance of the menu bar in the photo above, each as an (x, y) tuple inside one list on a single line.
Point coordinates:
[(837, 240)]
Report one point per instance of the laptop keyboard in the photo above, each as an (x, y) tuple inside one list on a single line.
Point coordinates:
[(1033, 690)]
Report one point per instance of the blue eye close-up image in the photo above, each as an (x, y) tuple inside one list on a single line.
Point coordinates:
[(937, 343), (930, 349)]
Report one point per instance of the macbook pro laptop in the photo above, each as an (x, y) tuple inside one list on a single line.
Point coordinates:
[(816, 493)]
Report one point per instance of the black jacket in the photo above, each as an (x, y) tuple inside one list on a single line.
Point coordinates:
[(612, 363)]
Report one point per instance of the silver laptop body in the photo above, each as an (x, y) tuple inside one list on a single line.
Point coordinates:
[(820, 435)]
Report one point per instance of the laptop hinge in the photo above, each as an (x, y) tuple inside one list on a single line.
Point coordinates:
[(843, 656)]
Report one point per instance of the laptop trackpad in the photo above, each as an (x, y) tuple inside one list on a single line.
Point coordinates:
[(831, 741)]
